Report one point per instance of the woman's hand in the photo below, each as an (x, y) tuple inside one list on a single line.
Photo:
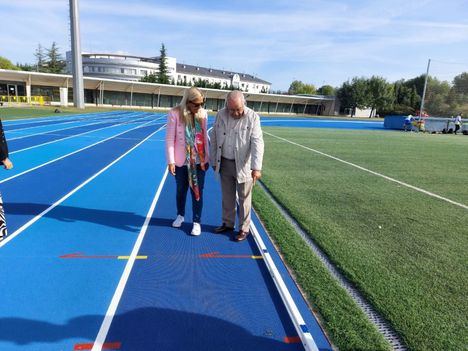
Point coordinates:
[(7, 164), (171, 168)]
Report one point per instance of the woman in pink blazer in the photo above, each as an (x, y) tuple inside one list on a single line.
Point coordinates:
[(187, 153)]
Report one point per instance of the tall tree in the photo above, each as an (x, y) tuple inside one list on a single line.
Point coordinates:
[(354, 94), (55, 62), (326, 90), (298, 87), (380, 94), (460, 88), (6, 64), (40, 58), (162, 76)]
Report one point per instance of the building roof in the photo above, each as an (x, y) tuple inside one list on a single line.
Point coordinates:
[(66, 80), (189, 69), (217, 73)]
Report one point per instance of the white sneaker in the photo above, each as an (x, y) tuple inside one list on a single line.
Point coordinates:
[(178, 221), (196, 230)]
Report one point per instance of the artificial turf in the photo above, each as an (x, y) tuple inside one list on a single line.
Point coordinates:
[(403, 249)]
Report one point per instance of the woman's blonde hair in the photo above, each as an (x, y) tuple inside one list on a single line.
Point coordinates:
[(190, 95)]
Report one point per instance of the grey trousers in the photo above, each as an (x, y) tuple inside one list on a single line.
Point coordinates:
[(229, 187)]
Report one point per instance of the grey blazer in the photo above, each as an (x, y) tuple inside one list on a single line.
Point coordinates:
[(249, 144)]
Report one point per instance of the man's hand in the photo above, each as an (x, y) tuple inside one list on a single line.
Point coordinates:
[(171, 168), (256, 175), (7, 164)]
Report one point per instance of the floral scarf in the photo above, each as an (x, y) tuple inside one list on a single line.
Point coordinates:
[(194, 146)]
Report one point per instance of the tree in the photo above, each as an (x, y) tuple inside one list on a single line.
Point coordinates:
[(380, 94), (326, 90), (55, 62), (149, 78), (298, 87), (405, 99), (6, 64), (437, 97), (26, 66), (162, 76), (354, 94), (460, 88), (40, 58)]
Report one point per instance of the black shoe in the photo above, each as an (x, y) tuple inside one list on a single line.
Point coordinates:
[(241, 236), (223, 228)]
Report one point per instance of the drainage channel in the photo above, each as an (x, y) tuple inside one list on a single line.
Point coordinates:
[(383, 327)]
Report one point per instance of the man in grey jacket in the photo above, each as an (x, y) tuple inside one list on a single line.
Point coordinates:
[(236, 149)]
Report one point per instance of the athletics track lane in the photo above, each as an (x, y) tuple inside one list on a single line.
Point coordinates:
[(80, 325), (50, 302)]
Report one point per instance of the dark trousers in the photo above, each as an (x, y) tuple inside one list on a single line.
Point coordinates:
[(182, 183)]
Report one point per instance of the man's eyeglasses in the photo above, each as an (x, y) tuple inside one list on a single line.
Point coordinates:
[(195, 104)]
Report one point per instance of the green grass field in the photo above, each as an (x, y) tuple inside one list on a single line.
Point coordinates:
[(405, 251)]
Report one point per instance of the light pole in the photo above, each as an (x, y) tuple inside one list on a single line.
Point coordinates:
[(77, 66), (424, 90)]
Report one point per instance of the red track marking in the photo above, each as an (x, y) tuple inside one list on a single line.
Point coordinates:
[(81, 255), (292, 340), (216, 254), (106, 346)]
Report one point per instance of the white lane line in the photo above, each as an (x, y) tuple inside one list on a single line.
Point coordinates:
[(298, 321), (71, 153), (62, 199), (57, 118), (106, 323), (76, 135), (109, 120), (374, 173), (316, 121), (20, 130)]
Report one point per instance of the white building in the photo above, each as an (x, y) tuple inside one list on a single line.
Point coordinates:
[(134, 68)]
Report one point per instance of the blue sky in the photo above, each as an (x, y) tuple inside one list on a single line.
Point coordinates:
[(318, 42)]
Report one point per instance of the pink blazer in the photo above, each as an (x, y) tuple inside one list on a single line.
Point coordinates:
[(175, 138)]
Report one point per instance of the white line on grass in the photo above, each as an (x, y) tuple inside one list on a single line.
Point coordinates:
[(76, 135), (106, 323), (315, 121), (374, 173), (63, 198), (71, 153)]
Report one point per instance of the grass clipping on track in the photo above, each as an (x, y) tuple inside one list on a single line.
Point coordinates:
[(404, 250), (344, 322)]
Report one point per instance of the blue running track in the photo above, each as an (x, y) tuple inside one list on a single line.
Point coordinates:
[(92, 262)]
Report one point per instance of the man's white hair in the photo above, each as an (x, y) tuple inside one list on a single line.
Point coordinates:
[(234, 95)]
